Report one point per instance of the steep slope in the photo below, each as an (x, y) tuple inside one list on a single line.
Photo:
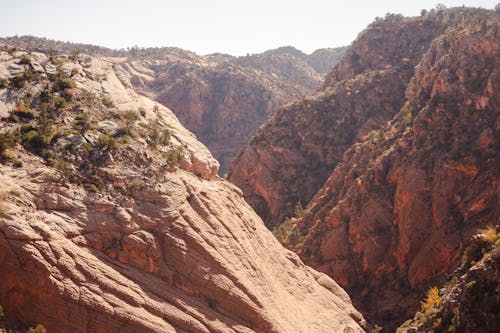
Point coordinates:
[(113, 218), (399, 210), (470, 300), (289, 159), (222, 103), (222, 99)]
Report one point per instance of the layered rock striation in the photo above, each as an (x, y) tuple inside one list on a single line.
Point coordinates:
[(112, 218)]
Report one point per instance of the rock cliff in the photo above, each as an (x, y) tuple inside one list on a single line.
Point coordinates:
[(289, 159), (112, 217), (469, 300), (397, 158)]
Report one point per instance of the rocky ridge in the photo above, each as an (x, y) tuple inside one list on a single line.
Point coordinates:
[(221, 98), (308, 137), (415, 170), (113, 217)]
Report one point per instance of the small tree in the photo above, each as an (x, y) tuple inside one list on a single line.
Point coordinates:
[(432, 300), (129, 117), (7, 140), (440, 7)]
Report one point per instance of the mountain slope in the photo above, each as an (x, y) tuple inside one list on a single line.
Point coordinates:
[(397, 158), (399, 209), (222, 99), (113, 218), (289, 159)]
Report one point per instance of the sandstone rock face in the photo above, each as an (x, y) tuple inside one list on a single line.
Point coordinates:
[(400, 208), (415, 168), (132, 231), (289, 159)]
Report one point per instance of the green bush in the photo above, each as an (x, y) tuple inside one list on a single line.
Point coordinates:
[(63, 83), (38, 138), (158, 136), (8, 140), (82, 123), (59, 102), (23, 112), (64, 167), (107, 143), (173, 156), (129, 117)]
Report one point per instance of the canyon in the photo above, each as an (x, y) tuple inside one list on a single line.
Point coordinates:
[(361, 190), (382, 177)]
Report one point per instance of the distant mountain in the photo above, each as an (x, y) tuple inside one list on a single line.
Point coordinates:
[(221, 98)]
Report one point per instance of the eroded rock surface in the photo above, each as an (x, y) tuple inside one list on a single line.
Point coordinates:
[(131, 230), (400, 183), (399, 210), (291, 156)]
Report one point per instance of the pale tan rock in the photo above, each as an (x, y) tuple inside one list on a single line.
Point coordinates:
[(214, 259), (156, 248)]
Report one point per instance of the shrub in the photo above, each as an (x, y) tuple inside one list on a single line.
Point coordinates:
[(107, 143), (129, 117), (135, 185), (432, 299), (59, 102), (24, 112), (38, 329), (173, 156), (82, 123), (18, 81), (64, 167), (38, 138), (157, 136), (107, 102), (63, 83), (489, 234), (142, 111), (8, 140)]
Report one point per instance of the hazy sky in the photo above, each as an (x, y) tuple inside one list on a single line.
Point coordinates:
[(205, 26)]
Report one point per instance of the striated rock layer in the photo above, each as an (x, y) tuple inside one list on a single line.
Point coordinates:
[(107, 225)]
